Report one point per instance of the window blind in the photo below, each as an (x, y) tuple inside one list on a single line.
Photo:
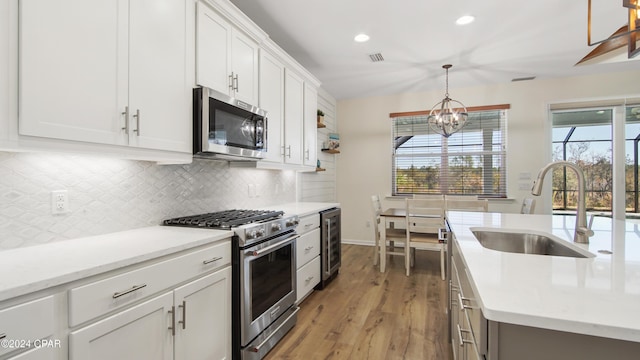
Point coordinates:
[(471, 161)]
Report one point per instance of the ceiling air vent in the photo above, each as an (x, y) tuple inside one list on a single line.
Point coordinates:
[(523, 78), (376, 57)]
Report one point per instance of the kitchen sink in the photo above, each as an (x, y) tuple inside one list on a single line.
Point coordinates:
[(526, 243)]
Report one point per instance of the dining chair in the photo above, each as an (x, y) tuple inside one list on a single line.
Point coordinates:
[(423, 222), (528, 205), (461, 197), (392, 234), (467, 205), (428, 196)]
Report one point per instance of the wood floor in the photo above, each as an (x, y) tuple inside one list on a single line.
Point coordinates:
[(365, 314)]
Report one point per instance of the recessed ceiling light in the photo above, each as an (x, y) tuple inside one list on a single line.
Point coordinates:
[(361, 38), (464, 20)]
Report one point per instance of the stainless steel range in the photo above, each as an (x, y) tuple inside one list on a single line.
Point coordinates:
[(264, 275)]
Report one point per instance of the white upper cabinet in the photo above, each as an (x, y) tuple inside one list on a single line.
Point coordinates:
[(5, 50), (310, 125), (226, 58), (272, 100), (293, 117), (111, 72), (159, 93)]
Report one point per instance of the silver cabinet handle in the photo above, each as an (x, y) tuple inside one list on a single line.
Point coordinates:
[(461, 299), (235, 79), (3, 335), (137, 117), (128, 291), (308, 279), (283, 153), (184, 314), (307, 154), (462, 340), (173, 320), (289, 151), (231, 81), (126, 120), (205, 262), (308, 248)]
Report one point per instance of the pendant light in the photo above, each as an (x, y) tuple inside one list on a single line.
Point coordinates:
[(448, 116)]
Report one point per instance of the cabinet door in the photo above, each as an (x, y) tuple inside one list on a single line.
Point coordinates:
[(158, 90), (244, 64), (272, 100), (73, 69), (293, 117), (203, 318), (141, 332), (310, 127), (213, 49), (5, 59)]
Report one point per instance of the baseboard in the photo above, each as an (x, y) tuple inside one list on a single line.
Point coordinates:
[(357, 242)]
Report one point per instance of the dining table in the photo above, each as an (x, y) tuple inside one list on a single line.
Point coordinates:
[(391, 215)]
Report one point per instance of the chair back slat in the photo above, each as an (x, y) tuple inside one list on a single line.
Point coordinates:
[(424, 215), (468, 205)]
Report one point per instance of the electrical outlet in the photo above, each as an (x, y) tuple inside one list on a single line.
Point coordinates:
[(59, 202)]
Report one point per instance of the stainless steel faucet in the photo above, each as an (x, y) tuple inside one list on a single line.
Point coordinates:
[(582, 231)]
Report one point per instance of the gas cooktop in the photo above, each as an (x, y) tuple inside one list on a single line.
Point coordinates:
[(225, 219)]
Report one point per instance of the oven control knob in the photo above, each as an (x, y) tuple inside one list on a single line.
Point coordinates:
[(251, 234), (292, 222), (260, 232), (276, 227)]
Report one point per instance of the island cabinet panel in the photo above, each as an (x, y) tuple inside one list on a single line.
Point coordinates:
[(529, 343), (474, 337)]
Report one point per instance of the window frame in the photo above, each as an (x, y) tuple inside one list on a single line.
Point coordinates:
[(446, 152)]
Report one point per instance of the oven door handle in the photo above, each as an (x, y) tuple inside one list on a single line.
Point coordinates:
[(271, 247)]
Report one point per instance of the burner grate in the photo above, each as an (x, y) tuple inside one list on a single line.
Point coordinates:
[(225, 219)]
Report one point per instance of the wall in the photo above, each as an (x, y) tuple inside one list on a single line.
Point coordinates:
[(321, 186), (365, 136), (107, 195)]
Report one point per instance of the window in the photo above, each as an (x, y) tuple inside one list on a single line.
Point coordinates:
[(471, 161), (584, 137)]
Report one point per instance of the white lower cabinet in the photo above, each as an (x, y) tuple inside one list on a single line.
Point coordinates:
[(203, 318), (30, 321), (194, 320), (307, 256), (36, 354), (186, 322), (140, 332)]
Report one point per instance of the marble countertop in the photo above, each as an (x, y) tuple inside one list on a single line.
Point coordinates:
[(35, 268), (596, 296)]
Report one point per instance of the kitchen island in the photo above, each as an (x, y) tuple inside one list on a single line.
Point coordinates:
[(591, 300)]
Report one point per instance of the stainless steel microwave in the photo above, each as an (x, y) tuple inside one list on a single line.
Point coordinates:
[(227, 128)]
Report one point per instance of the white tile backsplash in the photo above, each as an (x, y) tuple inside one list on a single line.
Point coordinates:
[(107, 195)]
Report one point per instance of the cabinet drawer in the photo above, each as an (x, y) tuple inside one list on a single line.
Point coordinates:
[(308, 276), (308, 223), (92, 300), (307, 247), (29, 321)]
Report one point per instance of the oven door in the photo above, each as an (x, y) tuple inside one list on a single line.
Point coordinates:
[(268, 284)]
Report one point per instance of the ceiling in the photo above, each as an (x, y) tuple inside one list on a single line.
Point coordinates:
[(507, 40)]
